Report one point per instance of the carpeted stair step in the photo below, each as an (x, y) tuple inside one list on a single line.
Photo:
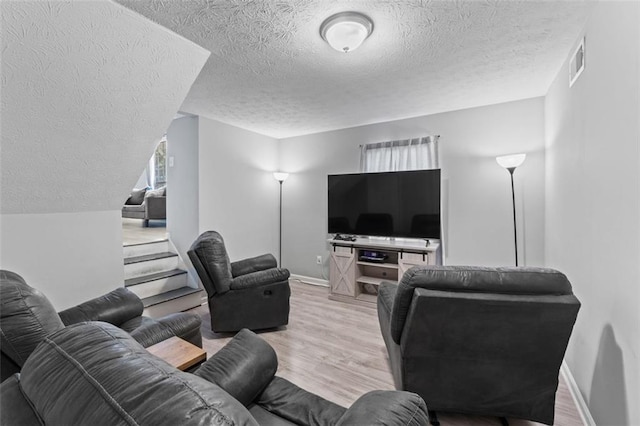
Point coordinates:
[(147, 264), (157, 283), (172, 301)]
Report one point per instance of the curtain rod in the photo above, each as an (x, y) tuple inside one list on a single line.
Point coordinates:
[(400, 140)]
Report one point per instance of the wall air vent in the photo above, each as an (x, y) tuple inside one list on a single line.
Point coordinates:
[(576, 65)]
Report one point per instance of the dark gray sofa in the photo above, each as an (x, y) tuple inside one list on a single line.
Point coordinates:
[(95, 374), (486, 341), (146, 205), (27, 317)]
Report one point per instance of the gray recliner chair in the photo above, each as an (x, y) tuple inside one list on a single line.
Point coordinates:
[(95, 374), (482, 341), (27, 318), (251, 293)]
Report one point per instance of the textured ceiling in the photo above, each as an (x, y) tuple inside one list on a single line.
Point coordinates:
[(88, 88), (270, 71)]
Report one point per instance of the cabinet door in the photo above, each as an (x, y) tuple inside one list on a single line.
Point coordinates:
[(342, 271), (409, 260)]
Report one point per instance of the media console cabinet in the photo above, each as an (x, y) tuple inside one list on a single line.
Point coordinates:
[(353, 278)]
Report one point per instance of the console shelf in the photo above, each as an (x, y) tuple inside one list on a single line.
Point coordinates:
[(370, 280), (378, 265), (356, 281)]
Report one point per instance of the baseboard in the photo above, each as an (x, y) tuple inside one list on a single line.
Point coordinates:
[(309, 280), (581, 404)]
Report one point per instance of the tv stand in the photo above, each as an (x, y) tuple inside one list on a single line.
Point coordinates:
[(353, 278)]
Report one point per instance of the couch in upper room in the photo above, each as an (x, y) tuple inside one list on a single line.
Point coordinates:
[(146, 204)]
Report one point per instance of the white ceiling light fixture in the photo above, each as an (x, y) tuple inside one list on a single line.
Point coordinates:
[(346, 31)]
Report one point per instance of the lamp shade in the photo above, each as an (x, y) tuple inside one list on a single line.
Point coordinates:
[(280, 176), (511, 161), (346, 31)]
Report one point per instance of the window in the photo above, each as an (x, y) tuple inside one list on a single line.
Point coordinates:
[(160, 164), (408, 154)]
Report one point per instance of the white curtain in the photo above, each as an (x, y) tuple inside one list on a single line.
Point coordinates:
[(408, 154)]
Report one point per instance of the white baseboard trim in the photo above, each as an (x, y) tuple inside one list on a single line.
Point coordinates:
[(581, 404), (309, 280)]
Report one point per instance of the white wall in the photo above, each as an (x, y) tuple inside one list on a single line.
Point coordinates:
[(88, 89), (476, 191), (182, 186), (70, 257), (238, 194), (593, 209)]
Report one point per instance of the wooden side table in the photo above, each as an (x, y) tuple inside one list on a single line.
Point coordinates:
[(178, 352)]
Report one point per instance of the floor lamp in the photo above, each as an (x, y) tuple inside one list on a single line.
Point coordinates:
[(280, 177), (510, 162)]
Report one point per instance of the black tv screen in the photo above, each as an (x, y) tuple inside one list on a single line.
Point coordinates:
[(390, 204)]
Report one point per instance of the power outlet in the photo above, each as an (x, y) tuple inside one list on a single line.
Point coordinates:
[(319, 260)]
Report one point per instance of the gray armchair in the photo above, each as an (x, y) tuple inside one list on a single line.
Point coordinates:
[(251, 293), (27, 318), (485, 341)]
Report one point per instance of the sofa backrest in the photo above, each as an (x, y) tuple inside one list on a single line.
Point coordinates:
[(466, 280), (484, 340), (211, 261), (95, 373), (26, 318)]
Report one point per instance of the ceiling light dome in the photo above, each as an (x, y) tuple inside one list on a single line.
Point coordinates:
[(346, 31)]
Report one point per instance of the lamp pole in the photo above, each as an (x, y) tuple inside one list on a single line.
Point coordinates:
[(280, 228), (513, 200), (510, 162), (280, 177)]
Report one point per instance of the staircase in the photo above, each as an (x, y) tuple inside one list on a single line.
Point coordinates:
[(154, 272)]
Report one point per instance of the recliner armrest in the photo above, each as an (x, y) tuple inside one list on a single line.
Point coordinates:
[(253, 264), (259, 278), (243, 367), (115, 307), (387, 408)]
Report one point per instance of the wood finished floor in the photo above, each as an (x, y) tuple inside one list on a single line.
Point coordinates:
[(335, 350), (134, 232)]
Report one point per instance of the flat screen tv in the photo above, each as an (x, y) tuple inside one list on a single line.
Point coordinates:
[(390, 204)]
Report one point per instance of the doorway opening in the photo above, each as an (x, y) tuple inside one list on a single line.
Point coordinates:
[(144, 214)]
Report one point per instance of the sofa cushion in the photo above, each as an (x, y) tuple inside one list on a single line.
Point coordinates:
[(97, 365), (155, 192), (26, 317), (137, 196)]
